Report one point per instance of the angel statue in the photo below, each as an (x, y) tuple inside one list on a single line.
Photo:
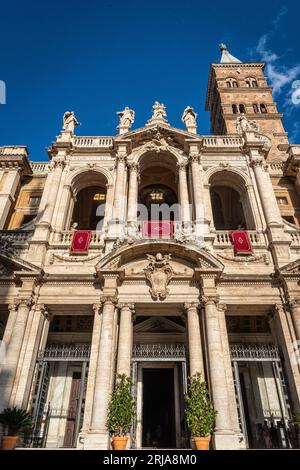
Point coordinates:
[(69, 121), (189, 118), (126, 119)]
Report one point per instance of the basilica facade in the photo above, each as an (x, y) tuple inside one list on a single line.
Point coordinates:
[(161, 290)]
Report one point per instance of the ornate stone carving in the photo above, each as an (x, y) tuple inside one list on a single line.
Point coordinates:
[(243, 125), (128, 305), (108, 299), (69, 121), (159, 114), (126, 120), (159, 273)]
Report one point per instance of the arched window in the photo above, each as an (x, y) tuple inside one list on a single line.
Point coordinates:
[(255, 108), (87, 213), (235, 109), (263, 108), (231, 83), (242, 109), (230, 202), (251, 82)]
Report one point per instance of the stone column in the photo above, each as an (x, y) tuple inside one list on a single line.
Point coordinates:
[(198, 195), (97, 438), (266, 191), (92, 369), (194, 338), (125, 339), (13, 351), (12, 308), (295, 313), (40, 316), (7, 194), (184, 196), (60, 223), (224, 437), (119, 189), (133, 199), (55, 177)]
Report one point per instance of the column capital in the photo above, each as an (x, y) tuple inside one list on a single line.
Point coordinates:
[(57, 162), (258, 162), (12, 307), (210, 300), (96, 308), (294, 303), (182, 166), (126, 305), (277, 309), (194, 157), (134, 166), (190, 305), (23, 302), (108, 299), (121, 158), (44, 311)]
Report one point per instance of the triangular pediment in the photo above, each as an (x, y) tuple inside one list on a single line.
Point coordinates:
[(158, 134), (292, 268), (10, 265), (158, 325)]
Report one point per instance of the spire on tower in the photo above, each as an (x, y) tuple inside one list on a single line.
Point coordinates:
[(226, 57)]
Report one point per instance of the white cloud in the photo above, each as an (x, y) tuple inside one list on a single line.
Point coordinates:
[(279, 75), (295, 134)]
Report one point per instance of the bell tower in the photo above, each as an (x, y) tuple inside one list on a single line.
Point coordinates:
[(235, 88)]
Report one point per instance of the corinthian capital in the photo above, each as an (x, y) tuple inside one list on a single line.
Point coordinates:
[(126, 305), (190, 306), (108, 299), (181, 166), (210, 300), (194, 157), (23, 302)]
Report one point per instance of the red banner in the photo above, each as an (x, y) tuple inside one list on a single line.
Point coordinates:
[(158, 229), (81, 241), (241, 242)]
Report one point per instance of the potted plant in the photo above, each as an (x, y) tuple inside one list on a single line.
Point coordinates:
[(200, 413), (120, 412), (14, 420)]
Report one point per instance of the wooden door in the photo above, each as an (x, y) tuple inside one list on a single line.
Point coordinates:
[(72, 414)]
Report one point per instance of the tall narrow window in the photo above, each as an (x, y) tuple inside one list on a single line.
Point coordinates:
[(263, 108), (255, 108), (242, 109), (234, 109)]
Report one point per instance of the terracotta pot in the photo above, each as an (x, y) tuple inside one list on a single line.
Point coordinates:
[(201, 443), (9, 442), (119, 442)]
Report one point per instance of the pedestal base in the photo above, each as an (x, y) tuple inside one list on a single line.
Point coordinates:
[(225, 441), (96, 441)]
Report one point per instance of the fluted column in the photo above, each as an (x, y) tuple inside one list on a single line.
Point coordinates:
[(102, 378), (184, 195), (13, 350), (133, 198), (194, 338), (198, 191), (295, 313), (125, 339), (266, 191), (54, 182), (119, 189), (7, 194), (40, 316), (217, 373), (88, 408)]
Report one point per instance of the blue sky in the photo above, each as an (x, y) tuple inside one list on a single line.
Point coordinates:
[(95, 57)]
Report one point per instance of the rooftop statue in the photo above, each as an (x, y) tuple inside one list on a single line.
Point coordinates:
[(69, 121)]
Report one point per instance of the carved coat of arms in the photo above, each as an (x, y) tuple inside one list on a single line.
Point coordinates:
[(159, 273)]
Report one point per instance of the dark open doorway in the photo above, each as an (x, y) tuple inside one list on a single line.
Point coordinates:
[(158, 408)]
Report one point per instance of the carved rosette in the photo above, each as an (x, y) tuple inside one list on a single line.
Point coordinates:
[(159, 273)]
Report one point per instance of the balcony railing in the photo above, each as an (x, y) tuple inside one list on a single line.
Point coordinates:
[(15, 236), (39, 167), (223, 238), (65, 238), (90, 141), (220, 141)]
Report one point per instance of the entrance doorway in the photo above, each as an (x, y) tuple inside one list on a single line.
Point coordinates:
[(158, 408)]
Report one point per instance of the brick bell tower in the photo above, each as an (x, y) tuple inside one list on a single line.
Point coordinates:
[(236, 87)]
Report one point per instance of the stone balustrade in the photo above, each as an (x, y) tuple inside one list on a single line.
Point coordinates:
[(15, 236), (223, 238), (39, 167), (65, 238), (89, 141), (222, 141)]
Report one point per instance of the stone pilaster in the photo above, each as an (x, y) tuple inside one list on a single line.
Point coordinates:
[(97, 437), (8, 193), (125, 338), (194, 339), (224, 436), (116, 225), (132, 200), (295, 313), (184, 195), (13, 350), (40, 316)]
